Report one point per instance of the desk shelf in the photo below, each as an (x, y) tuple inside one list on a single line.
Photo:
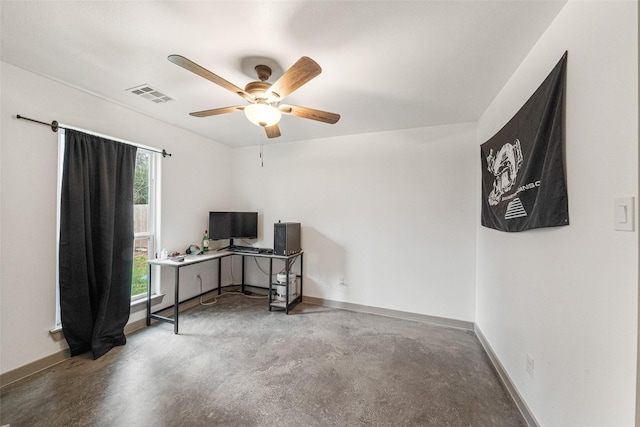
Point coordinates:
[(296, 298)]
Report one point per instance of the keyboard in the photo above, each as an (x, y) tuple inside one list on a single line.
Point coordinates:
[(246, 249), (251, 250)]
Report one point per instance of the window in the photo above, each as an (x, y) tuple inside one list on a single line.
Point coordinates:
[(146, 201)]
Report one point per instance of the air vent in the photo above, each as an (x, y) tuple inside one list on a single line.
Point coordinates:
[(150, 93)]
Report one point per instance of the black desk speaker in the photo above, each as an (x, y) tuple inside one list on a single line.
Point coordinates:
[(286, 238)]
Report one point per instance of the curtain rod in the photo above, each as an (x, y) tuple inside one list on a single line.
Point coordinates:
[(55, 126)]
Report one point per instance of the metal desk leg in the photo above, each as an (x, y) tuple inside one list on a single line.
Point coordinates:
[(219, 275), (242, 287), (176, 305), (287, 267), (270, 282), (301, 275), (149, 295)]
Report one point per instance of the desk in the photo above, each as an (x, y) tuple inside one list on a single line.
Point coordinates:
[(217, 256)]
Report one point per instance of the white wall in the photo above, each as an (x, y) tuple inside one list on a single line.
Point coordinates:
[(392, 213), (568, 296), (28, 197)]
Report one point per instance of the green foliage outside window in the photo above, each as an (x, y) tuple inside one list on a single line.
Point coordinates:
[(139, 281), (140, 271), (141, 182)]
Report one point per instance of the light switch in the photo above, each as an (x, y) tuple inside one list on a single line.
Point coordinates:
[(623, 213)]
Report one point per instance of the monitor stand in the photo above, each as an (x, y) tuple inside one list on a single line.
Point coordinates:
[(230, 246)]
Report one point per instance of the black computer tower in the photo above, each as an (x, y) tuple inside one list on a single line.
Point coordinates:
[(286, 238)]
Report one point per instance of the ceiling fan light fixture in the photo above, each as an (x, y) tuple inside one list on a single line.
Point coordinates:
[(262, 114)]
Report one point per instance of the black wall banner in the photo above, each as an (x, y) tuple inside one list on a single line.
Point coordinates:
[(523, 179)]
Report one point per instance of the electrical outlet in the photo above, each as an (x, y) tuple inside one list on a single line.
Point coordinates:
[(530, 365)]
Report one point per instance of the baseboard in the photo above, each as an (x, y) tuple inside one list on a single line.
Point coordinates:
[(33, 367), (425, 318), (506, 380)]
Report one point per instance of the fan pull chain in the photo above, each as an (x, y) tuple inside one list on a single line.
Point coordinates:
[(261, 151)]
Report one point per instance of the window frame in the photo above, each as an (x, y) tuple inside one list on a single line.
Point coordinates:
[(152, 229)]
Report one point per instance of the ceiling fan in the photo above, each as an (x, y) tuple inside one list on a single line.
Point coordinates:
[(264, 107)]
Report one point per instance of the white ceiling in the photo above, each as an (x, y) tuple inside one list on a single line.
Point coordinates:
[(387, 65)]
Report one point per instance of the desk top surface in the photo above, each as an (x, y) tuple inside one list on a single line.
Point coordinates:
[(211, 255)]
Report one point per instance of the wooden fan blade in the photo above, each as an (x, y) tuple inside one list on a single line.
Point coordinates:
[(216, 111), (272, 131), (203, 72), (310, 113), (299, 73)]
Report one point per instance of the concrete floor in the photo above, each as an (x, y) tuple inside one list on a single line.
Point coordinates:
[(237, 364)]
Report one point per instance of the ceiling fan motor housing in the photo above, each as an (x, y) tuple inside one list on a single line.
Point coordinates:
[(258, 90), (263, 71)]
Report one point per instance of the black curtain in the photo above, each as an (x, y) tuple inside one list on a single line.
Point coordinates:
[(96, 242)]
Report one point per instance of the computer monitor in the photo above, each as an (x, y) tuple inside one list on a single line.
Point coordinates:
[(233, 225)]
